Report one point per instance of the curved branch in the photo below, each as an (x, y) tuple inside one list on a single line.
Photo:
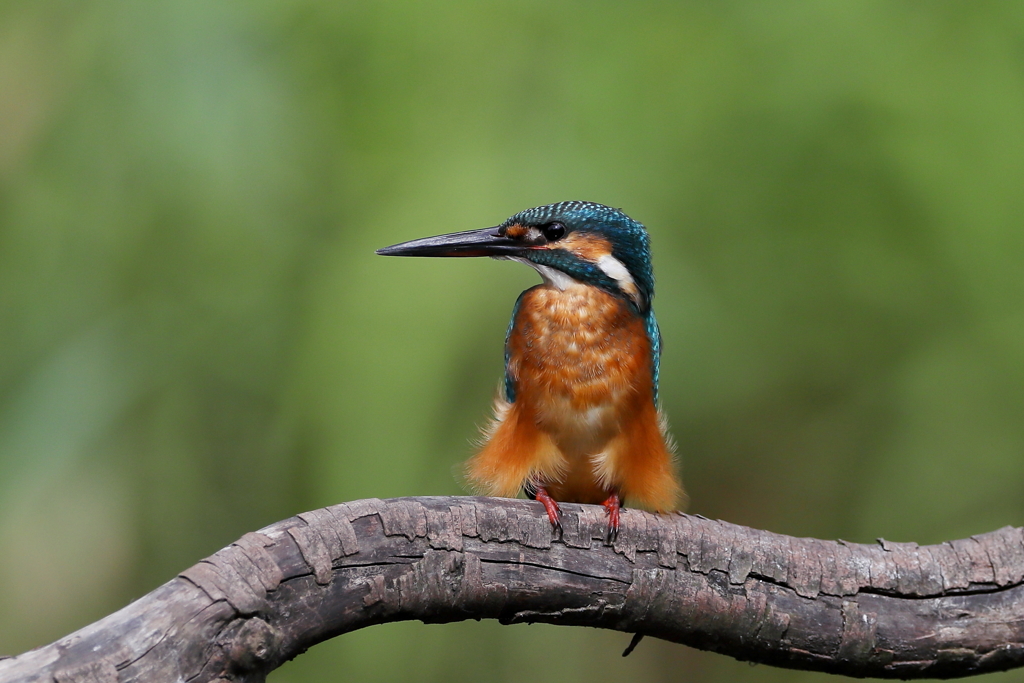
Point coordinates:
[(892, 610)]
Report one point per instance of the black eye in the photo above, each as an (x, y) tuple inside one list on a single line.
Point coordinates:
[(553, 231)]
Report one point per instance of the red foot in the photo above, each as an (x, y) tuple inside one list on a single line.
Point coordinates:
[(613, 505), (550, 505)]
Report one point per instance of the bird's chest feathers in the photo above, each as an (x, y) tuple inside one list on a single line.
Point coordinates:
[(580, 358)]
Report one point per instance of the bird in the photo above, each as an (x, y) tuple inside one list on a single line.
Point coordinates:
[(577, 417)]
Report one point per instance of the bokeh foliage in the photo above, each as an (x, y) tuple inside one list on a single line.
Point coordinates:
[(197, 339)]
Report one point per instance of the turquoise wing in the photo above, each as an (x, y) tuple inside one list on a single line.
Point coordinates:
[(510, 382), (654, 335)]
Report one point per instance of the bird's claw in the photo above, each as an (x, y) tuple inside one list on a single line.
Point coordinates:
[(550, 506), (613, 505)]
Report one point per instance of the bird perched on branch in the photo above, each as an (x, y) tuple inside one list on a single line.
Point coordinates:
[(577, 417)]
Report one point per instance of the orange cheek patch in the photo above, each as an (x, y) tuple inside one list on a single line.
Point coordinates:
[(585, 245)]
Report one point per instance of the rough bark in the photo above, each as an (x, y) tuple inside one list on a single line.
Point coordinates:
[(892, 610)]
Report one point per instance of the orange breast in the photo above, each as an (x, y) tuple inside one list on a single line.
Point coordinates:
[(581, 361), (578, 349), (583, 423)]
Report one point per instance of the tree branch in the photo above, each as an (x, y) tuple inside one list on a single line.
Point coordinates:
[(892, 610)]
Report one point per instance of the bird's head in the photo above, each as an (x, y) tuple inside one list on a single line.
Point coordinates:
[(567, 242)]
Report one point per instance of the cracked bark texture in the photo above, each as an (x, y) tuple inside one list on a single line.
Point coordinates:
[(891, 610)]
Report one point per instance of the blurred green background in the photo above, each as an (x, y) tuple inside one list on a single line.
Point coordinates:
[(197, 339)]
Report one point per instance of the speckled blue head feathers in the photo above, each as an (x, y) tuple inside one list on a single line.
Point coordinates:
[(589, 242)]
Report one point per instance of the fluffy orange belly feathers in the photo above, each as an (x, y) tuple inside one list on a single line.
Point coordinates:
[(584, 424)]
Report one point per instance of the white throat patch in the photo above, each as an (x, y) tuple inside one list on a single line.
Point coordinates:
[(552, 276)]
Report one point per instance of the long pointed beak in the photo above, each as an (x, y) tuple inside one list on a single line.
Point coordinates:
[(483, 242)]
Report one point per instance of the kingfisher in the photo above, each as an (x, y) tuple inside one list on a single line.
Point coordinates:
[(577, 417)]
